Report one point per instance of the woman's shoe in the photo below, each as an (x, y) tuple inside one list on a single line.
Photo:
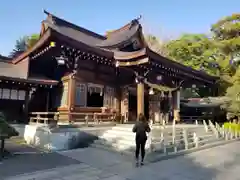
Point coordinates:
[(137, 163)]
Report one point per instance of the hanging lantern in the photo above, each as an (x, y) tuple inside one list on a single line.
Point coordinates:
[(159, 78), (52, 44)]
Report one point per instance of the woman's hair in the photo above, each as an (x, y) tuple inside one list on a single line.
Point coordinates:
[(142, 118)]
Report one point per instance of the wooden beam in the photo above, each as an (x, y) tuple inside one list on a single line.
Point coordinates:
[(72, 92), (140, 98)]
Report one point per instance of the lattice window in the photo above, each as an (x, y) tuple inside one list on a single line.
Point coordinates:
[(5, 93), (80, 96), (21, 95), (0, 93), (109, 97), (14, 94)]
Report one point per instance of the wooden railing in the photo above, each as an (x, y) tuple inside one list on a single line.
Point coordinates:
[(194, 118), (73, 117), (87, 118), (43, 117)]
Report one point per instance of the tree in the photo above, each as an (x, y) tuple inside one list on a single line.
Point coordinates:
[(155, 44), (227, 33), (233, 93), (195, 50), (31, 40), (20, 47), (6, 131), (23, 44)]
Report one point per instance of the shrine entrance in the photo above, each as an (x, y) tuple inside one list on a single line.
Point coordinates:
[(132, 106)]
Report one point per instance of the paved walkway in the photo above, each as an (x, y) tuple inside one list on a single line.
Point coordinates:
[(17, 145), (26, 159), (218, 163)]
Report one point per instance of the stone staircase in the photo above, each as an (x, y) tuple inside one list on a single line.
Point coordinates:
[(162, 140), (120, 138)]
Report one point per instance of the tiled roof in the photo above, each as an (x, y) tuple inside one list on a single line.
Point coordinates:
[(88, 37), (4, 58), (11, 70)]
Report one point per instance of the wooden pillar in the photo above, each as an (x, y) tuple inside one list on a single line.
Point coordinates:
[(124, 104), (71, 95), (71, 92), (154, 108), (26, 103), (140, 98), (118, 105), (176, 106), (47, 99)]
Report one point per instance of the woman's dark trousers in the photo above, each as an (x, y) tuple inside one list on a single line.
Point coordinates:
[(140, 145)]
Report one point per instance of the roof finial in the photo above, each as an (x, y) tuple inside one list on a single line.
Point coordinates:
[(46, 12), (139, 17), (135, 21)]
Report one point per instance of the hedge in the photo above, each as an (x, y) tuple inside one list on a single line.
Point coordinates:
[(6, 131), (234, 127)]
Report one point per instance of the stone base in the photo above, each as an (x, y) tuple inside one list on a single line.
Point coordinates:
[(59, 138)]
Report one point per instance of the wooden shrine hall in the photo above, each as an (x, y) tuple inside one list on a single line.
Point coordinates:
[(75, 72)]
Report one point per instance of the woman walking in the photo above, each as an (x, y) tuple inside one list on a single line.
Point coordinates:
[(140, 128)]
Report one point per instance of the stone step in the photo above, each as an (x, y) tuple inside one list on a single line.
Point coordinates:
[(112, 149), (116, 146), (113, 131), (111, 137), (208, 141), (122, 128), (119, 141), (116, 135)]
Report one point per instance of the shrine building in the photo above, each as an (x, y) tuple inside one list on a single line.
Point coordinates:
[(77, 72)]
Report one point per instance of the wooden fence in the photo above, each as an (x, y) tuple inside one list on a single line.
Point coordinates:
[(54, 118)]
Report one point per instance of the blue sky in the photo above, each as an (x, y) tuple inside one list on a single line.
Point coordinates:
[(166, 19)]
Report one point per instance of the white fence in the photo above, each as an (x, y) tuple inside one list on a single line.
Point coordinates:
[(182, 139)]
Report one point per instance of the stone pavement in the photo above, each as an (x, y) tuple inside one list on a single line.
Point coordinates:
[(17, 145), (27, 163), (218, 163)]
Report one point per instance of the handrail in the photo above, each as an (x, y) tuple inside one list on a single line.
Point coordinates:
[(43, 118), (44, 113)]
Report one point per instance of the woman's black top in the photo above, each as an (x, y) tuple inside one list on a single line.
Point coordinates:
[(140, 128)]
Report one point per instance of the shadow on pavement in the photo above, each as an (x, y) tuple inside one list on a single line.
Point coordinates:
[(25, 159), (27, 163)]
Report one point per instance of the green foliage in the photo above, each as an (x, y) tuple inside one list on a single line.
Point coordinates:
[(20, 47), (234, 127), (203, 52), (233, 93), (195, 50), (227, 33), (6, 131), (23, 44), (155, 44), (31, 40)]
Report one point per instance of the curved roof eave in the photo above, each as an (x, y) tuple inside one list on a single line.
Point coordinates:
[(121, 36), (181, 66), (120, 55)]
